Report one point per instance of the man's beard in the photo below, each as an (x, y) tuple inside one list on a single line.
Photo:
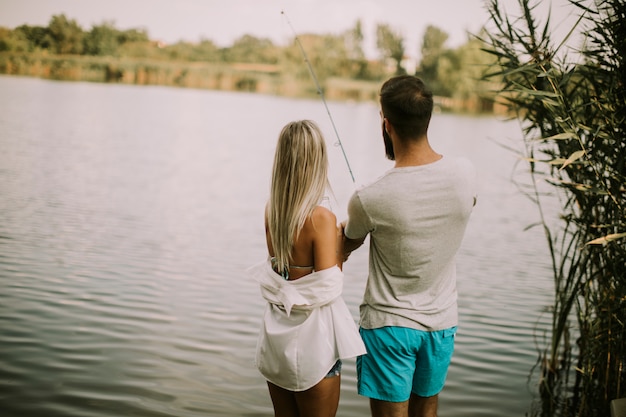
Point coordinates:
[(388, 145)]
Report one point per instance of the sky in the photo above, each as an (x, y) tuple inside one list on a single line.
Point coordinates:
[(223, 21)]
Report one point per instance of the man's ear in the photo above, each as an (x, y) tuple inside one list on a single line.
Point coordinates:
[(386, 124)]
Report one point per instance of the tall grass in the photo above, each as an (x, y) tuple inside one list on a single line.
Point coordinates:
[(573, 115)]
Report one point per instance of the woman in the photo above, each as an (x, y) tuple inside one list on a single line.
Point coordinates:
[(307, 328)]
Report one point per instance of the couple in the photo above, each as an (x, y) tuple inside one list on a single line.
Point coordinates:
[(415, 215)]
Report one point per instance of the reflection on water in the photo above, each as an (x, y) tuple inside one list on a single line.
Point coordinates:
[(129, 214)]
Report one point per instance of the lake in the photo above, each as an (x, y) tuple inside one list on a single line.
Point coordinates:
[(128, 216)]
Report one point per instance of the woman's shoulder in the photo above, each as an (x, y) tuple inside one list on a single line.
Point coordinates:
[(324, 215), (320, 219)]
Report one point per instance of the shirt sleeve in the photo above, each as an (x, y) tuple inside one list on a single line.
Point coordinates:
[(470, 179), (359, 223)]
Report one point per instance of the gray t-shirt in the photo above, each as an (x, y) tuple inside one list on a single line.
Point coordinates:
[(416, 217)]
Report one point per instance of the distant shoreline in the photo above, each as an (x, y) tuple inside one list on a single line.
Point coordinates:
[(244, 77)]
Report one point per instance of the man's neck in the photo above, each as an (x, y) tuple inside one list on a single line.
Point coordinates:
[(415, 153)]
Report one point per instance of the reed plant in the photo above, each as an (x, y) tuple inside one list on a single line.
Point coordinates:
[(572, 108)]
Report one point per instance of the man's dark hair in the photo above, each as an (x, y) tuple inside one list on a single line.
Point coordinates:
[(408, 105)]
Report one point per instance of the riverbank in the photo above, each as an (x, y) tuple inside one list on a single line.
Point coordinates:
[(254, 78)]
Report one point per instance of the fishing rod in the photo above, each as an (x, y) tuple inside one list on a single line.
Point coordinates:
[(321, 94)]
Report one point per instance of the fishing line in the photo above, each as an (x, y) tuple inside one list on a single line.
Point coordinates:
[(321, 94)]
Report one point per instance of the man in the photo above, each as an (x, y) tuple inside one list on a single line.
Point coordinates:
[(415, 215)]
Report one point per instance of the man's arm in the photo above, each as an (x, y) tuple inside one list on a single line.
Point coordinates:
[(349, 245)]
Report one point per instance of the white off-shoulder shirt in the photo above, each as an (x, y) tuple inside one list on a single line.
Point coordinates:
[(306, 328)]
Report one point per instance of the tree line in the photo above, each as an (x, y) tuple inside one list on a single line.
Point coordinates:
[(451, 72)]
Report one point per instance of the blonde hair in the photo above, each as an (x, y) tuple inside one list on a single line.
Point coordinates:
[(299, 182)]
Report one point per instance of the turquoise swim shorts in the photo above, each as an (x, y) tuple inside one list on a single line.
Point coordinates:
[(401, 361)]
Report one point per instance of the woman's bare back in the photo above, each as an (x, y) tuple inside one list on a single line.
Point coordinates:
[(316, 246)]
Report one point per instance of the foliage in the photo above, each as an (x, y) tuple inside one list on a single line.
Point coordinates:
[(434, 53), (67, 35), (450, 72), (464, 74), (391, 45), (205, 51), (354, 45), (13, 41), (456, 73), (574, 118), (141, 50), (252, 50), (38, 37), (101, 40)]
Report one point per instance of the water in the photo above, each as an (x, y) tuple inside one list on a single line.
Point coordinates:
[(129, 214)]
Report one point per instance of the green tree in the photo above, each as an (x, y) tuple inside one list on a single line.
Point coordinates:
[(390, 44), (353, 40), (251, 49), (38, 36), (334, 57), (205, 51), (433, 55), (460, 74), (13, 40), (142, 49), (180, 51), (67, 35), (327, 55), (132, 35), (136, 43), (102, 39), (449, 68)]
